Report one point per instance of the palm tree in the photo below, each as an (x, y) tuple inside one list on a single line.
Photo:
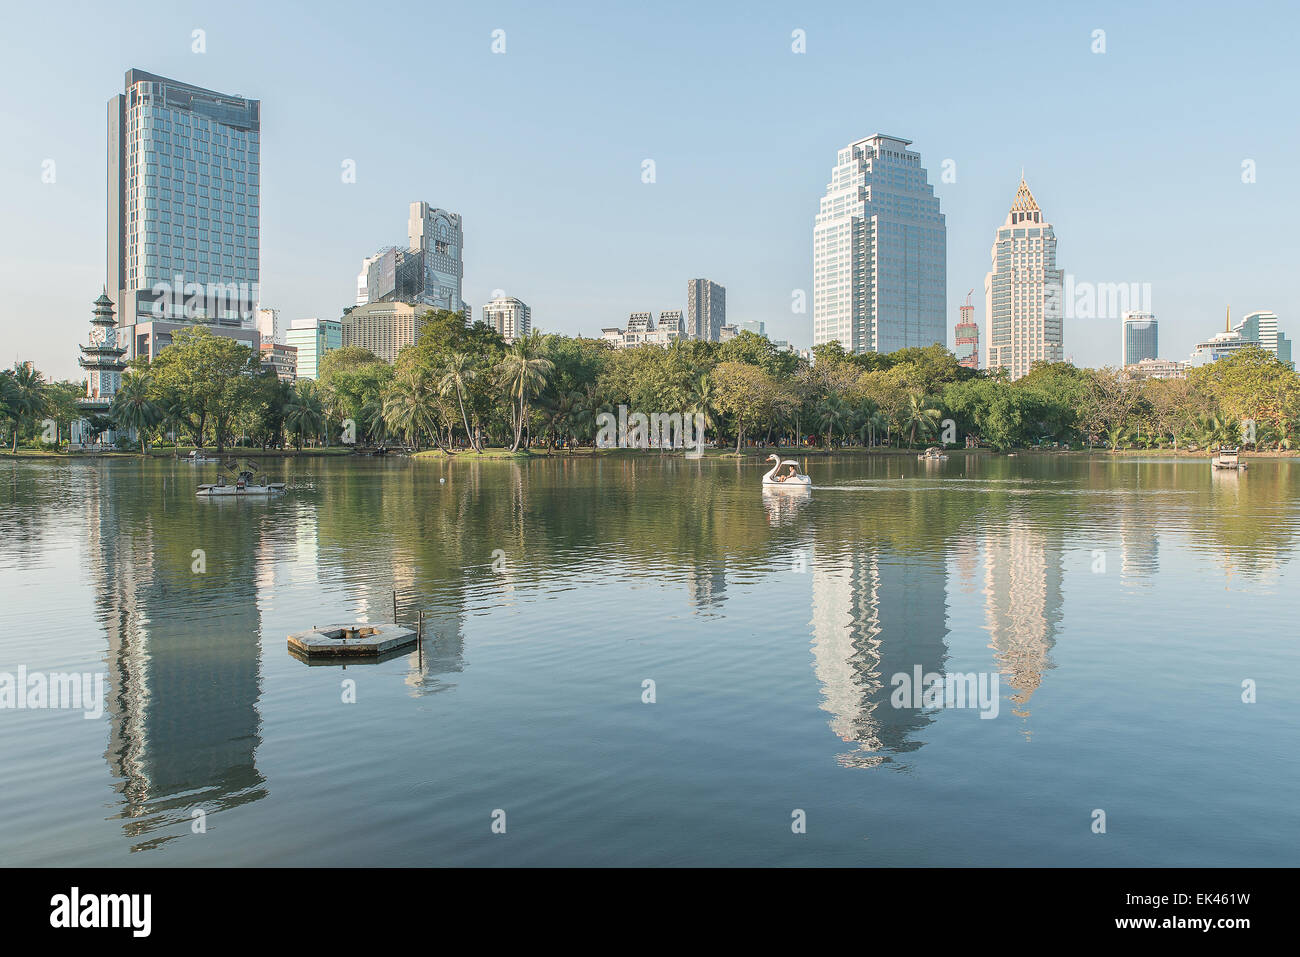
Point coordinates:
[(916, 415), (563, 411), (372, 419), (831, 412), (25, 397), (458, 373), (583, 419), (305, 412), (864, 423), (524, 373), (132, 407), (411, 406), (704, 399)]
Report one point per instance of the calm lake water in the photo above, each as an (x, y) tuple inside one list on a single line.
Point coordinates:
[(1120, 603)]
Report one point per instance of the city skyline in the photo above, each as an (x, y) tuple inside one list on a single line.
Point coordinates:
[(538, 233)]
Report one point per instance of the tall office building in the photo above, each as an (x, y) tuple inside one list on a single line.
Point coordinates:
[(183, 202), (1022, 293), (1141, 338), (880, 251), (706, 309), (510, 317), (428, 272), (313, 338), (968, 337)]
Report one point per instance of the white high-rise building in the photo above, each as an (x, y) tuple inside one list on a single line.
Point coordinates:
[(269, 325), (880, 251), (510, 317), (1022, 293)]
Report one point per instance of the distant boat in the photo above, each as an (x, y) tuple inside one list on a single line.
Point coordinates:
[(1228, 459), (243, 484), (197, 457), (933, 454)]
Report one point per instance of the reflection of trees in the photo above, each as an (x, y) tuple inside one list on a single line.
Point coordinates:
[(183, 655)]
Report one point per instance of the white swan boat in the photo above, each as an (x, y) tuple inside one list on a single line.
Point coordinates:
[(785, 474), (933, 454)]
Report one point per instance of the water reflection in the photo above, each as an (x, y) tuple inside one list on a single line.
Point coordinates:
[(1023, 597), (883, 541), (183, 657), (874, 615)]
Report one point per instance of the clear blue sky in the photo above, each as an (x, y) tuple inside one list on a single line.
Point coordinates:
[(1134, 155)]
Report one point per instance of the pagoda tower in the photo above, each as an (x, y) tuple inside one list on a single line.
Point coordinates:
[(103, 359)]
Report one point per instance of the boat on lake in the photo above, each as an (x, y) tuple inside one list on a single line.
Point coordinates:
[(1228, 458), (933, 454), (785, 474), (244, 483)]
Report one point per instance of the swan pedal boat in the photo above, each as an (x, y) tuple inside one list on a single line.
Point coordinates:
[(790, 476)]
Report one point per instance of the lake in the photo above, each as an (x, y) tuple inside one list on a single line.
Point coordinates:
[(647, 661)]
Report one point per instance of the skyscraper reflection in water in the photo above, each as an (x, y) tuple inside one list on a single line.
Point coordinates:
[(876, 613), (183, 660)]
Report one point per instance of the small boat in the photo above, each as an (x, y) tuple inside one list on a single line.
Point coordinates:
[(1228, 459), (785, 474), (244, 485), (933, 454), (197, 458)]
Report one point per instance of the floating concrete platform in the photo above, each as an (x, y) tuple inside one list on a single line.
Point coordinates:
[(356, 639)]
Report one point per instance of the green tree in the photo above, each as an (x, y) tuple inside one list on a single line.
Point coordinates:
[(305, 412), (458, 373), (23, 396), (524, 373), (133, 407)]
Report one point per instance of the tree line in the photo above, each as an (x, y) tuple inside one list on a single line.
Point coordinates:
[(464, 388)]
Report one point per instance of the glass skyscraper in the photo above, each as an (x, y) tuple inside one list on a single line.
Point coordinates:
[(1141, 337), (880, 251), (183, 212)]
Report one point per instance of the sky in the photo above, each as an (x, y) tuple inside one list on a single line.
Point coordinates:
[(1135, 154)]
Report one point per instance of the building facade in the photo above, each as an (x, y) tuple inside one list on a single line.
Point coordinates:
[(150, 338), (510, 317), (1157, 369), (1022, 292), (428, 272), (313, 339), (385, 328), (1255, 329), (184, 180), (641, 330), (880, 251), (706, 309), (967, 337), (281, 359), (1141, 339), (269, 325)]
